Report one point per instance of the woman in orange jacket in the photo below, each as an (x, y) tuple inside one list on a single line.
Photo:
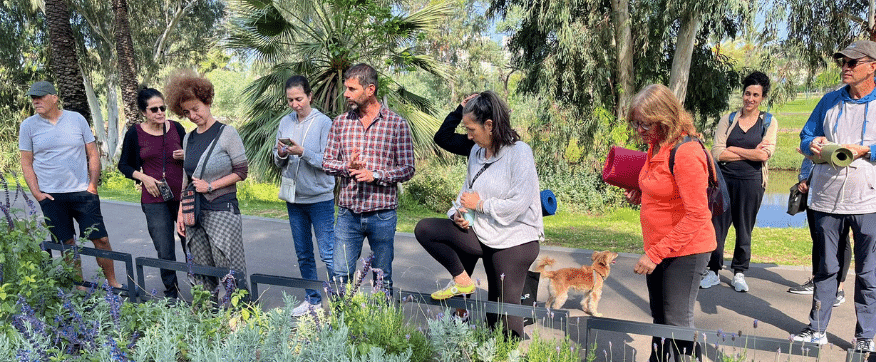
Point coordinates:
[(676, 221)]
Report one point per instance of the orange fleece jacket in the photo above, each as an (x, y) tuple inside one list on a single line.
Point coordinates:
[(675, 216)]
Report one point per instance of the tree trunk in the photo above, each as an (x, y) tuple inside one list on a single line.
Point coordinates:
[(687, 38), (63, 60), (99, 124), (624, 39), (871, 22), (112, 111), (127, 65)]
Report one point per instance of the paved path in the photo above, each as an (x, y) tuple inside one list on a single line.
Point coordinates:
[(269, 250)]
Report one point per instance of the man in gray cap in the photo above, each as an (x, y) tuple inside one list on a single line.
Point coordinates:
[(61, 167), (844, 196)]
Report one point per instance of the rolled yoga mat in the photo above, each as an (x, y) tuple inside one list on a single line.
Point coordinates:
[(835, 155), (548, 203), (622, 167)]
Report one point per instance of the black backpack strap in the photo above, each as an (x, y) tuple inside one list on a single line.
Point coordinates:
[(713, 179)]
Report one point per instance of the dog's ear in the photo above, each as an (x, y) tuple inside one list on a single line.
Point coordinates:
[(595, 255), (602, 258)]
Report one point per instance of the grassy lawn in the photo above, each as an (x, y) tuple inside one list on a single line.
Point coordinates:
[(791, 117)]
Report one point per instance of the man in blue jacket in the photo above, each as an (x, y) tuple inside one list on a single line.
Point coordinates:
[(845, 196)]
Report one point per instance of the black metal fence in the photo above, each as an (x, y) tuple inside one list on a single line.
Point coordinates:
[(558, 319), (126, 258)]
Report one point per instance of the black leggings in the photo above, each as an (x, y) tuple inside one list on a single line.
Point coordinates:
[(459, 250), (672, 289), (745, 199)]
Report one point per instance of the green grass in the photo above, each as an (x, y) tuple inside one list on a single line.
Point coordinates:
[(791, 117), (799, 105)]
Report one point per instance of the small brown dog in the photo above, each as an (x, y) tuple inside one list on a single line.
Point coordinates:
[(588, 279)]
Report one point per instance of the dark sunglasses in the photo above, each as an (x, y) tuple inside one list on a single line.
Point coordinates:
[(841, 62), (156, 109)]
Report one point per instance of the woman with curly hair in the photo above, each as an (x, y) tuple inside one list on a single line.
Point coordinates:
[(744, 142), (676, 221), (214, 163)]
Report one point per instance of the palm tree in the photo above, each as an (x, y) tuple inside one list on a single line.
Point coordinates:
[(321, 39), (65, 64), (126, 63)]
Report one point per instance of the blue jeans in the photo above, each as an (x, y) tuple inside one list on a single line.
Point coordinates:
[(321, 216), (350, 231), (161, 223)]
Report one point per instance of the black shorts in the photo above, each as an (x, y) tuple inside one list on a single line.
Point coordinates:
[(82, 206)]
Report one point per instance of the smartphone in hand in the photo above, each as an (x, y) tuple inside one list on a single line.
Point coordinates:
[(287, 141)]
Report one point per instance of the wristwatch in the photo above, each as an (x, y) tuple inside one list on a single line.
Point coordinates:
[(209, 187)]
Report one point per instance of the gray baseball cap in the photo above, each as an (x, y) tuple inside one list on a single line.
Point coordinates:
[(857, 50), (41, 88)]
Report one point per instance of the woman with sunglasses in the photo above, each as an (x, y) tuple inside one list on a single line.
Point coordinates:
[(744, 141), (152, 156), (676, 222)]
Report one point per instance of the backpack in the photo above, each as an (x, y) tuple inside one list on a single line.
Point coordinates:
[(767, 118), (716, 191)]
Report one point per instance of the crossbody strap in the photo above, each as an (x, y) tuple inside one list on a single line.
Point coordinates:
[(486, 165), (163, 154), (303, 139), (209, 151)]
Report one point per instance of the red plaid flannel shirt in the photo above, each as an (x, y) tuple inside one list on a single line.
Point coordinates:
[(387, 150)]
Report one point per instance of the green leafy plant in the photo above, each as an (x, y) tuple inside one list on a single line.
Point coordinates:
[(25, 269)]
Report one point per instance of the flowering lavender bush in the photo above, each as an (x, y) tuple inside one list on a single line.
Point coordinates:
[(25, 269), (363, 324)]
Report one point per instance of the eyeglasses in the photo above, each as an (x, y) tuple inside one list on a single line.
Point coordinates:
[(637, 124), (841, 62), (156, 109)]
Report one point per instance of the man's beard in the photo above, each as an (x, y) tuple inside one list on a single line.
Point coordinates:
[(353, 106)]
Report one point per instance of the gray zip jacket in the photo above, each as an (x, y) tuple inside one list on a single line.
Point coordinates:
[(312, 184)]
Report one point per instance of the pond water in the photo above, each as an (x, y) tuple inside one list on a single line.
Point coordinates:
[(773, 213), (773, 209)]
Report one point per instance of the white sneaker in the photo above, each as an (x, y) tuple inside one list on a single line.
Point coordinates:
[(304, 308), (739, 283), (710, 279), (809, 335)]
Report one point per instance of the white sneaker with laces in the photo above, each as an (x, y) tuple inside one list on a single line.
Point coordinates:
[(710, 279), (304, 308), (739, 283), (809, 335)]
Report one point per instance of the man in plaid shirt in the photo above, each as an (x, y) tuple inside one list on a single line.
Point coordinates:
[(370, 150)]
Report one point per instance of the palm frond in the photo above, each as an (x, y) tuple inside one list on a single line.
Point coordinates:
[(262, 33), (423, 125)]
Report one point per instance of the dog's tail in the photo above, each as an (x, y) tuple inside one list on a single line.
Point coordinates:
[(539, 268)]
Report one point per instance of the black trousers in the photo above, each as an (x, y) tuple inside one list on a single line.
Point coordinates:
[(845, 258), (745, 199), (828, 228), (459, 250), (672, 289)]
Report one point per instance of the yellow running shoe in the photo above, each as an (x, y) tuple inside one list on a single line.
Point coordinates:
[(453, 290)]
